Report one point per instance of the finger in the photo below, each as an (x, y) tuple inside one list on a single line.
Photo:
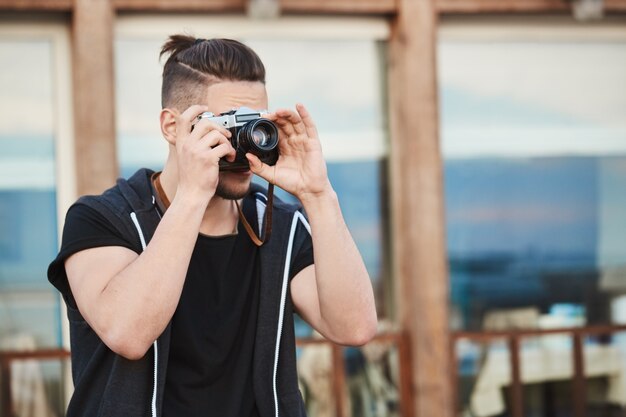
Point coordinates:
[(261, 169), (187, 117), (212, 139), (224, 150), (307, 120), (294, 118), (205, 126), (285, 126)]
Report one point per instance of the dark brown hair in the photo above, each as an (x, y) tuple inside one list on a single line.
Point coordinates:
[(193, 64)]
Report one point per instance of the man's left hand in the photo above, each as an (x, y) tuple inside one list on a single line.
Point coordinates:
[(300, 169)]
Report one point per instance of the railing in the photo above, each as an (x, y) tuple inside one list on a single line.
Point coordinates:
[(338, 370), (513, 339), (401, 342), (7, 357)]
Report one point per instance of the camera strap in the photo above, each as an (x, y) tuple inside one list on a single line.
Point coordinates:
[(267, 221)]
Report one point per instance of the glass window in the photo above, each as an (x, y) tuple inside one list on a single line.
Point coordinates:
[(534, 145), (34, 172), (28, 218), (534, 141)]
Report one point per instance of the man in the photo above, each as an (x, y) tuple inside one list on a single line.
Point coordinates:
[(174, 311)]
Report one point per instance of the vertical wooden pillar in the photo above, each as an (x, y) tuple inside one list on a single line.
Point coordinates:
[(517, 389), (579, 383), (419, 251), (94, 104)]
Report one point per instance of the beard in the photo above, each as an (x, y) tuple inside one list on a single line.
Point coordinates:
[(230, 188)]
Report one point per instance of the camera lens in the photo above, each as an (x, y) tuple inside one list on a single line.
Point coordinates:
[(259, 135)]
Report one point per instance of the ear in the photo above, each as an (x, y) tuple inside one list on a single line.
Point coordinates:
[(168, 125)]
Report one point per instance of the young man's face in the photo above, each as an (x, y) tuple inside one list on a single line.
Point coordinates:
[(225, 96)]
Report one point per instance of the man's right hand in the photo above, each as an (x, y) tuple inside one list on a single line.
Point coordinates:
[(199, 148)]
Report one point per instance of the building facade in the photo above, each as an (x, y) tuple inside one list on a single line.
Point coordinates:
[(440, 120)]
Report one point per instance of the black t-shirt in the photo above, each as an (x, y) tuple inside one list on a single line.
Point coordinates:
[(209, 369)]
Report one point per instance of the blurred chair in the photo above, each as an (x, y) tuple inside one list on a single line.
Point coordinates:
[(511, 319)]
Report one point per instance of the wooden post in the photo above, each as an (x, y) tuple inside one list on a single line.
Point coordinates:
[(418, 246), (5, 383), (454, 377), (339, 380), (406, 394), (94, 104), (579, 384), (517, 389)]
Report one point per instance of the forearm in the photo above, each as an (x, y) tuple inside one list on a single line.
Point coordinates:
[(346, 299), (139, 301)]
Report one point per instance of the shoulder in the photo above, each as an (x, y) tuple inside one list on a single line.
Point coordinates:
[(80, 217), (86, 227), (126, 196)]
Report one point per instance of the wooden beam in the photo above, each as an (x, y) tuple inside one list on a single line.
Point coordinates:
[(366, 7), (418, 246), (286, 6), (517, 6), (363, 7), (94, 104), (501, 6), (180, 5), (36, 5), (618, 6)]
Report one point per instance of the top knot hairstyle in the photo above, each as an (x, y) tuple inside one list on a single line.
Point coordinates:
[(194, 64)]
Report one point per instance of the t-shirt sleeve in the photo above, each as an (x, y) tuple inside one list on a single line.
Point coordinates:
[(84, 228), (304, 257)]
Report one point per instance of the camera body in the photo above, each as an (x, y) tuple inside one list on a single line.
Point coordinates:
[(251, 132)]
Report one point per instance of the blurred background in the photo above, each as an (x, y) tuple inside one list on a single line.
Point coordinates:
[(478, 148)]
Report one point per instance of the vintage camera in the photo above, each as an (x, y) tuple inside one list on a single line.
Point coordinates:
[(250, 133)]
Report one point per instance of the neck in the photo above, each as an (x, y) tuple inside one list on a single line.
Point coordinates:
[(220, 216)]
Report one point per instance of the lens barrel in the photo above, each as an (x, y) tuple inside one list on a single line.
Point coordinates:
[(258, 136)]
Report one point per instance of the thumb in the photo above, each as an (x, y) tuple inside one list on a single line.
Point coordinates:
[(259, 168)]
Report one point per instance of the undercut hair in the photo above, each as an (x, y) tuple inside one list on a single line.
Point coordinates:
[(194, 64)]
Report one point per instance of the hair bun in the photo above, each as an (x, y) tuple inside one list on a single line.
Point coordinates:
[(176, 44)]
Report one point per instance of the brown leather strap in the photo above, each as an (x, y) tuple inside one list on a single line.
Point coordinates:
[(156, 182), (267, 221)]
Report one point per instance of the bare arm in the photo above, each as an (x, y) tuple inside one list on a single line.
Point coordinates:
[(334, 295), (128, 299)]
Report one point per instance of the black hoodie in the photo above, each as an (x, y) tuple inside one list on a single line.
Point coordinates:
[(108, 385)]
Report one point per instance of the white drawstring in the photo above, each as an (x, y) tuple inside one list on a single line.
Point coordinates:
[(133, 216), (283, 296)]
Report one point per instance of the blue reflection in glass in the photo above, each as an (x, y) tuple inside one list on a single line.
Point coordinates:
[(531, 231)]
